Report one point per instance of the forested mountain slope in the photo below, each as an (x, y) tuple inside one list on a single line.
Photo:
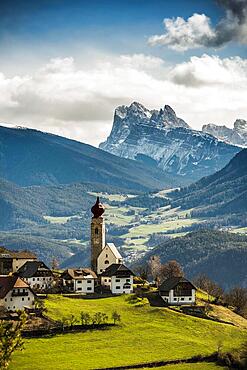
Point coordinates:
[(220, 255), (31, 157), (224, 192)]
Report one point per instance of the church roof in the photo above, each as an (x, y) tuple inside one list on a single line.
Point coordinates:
[(114, 250)]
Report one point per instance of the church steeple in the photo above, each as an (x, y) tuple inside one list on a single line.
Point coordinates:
[(98, 209), (97, 233)]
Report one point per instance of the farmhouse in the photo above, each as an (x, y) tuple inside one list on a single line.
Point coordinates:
[(178, 291), (118, 278), (15, 294), (11, 261), (37, 275), (79, 280)]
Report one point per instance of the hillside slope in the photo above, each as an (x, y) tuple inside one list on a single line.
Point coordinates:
[(30, 157), (224, 192), (220, 255), (174, 336)]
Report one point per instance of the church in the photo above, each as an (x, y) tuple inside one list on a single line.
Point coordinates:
[(106, 261)]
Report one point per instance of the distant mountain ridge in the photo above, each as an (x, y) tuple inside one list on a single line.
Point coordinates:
[(236, 136), (162, 139), (31, 157)]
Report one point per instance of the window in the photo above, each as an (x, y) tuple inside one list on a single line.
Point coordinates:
[(33, 279), (11, 299), (106, 256), (127, 280), (79, 282), (106, 262), (5, 299), (37, 279), (79, 288), (89, 281), (28, 298), (101, 270), (22, 299), (105, 280), (89, 288), (96, 231), (117, 280), (43, 278), (118, 287), (175, 299), (182, 299), (189, 298)]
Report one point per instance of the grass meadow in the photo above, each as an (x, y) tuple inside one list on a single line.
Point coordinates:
[(145, 334)]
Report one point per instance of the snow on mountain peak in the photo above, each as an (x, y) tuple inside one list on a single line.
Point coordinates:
[(240, 125)]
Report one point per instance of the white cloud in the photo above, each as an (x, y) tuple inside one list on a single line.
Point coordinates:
[(182, 35), (197, 31), (79, 101)]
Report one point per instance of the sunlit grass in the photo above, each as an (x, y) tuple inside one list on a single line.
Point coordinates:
[(145, 334)]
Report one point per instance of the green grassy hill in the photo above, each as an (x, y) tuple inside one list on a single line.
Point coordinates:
[(145, 334)]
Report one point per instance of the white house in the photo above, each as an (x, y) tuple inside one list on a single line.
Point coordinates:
[(37, 275), (15, 294), (79, 280), (108, 256), (118, 278), (178, 291)]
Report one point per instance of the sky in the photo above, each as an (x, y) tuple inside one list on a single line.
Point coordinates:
[(66, 65)]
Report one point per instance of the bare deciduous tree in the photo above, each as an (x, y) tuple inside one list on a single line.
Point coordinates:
[(155, 267), (171, 269), (203, 282), (237, 297)]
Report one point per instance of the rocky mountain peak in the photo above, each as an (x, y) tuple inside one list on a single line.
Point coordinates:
[(240, 125), (236, 135), (169, 110), (160, 138)]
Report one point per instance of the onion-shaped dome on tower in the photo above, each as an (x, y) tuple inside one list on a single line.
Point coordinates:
[(98, 209)]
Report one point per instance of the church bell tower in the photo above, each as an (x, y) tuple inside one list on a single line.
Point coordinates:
[(97, 233)]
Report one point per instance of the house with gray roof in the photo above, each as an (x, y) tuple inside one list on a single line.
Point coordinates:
[(37, 275), (118, 278), (178, 291)]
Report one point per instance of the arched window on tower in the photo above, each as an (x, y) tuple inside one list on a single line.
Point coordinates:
[(96, 231), (106, 262)]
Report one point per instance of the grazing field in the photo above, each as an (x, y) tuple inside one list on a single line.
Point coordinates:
[(112, 197), (148, 229), (59, 220), (145, 334)]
